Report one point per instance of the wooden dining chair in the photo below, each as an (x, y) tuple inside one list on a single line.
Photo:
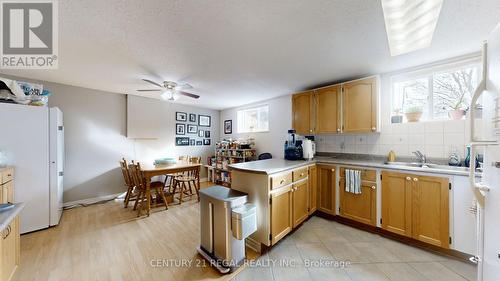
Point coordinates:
[(169, 182), (185, 183), (132, 193), (140, 182)]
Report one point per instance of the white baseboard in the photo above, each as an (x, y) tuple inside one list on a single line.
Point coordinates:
[(105, 197), (94, 200)]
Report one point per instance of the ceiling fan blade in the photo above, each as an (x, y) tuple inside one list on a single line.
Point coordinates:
[(188, 95), (153, 82), (184, 86), (150, 90)]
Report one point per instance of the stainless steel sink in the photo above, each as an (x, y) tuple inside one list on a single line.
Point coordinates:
[(428, 166)]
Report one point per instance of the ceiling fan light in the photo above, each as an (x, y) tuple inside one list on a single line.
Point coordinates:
[(408, 20)]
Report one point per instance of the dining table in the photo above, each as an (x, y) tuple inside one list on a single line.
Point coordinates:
[(151, 170)]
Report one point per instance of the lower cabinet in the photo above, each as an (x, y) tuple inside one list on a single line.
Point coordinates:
[(9, 250), (313, 189), (300, 202), (281, 213), (416, 206), (359, 207), (326, 189)]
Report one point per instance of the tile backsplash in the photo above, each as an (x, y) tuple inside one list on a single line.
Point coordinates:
[(436, 139)]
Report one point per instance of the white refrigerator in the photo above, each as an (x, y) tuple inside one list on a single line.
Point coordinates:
[(487, 192), (32, 139)]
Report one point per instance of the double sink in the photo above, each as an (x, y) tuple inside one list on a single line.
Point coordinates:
[(427, 165)]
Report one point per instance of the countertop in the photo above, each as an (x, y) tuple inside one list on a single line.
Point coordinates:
[(7, 216), (276, 165)]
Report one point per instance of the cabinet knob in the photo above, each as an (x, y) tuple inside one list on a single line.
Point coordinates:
[(333, 170), (310, 130), (408, 178), (415, 179), (338, 130), (302, 174), (282, 181), (373, 187), (374, 128)]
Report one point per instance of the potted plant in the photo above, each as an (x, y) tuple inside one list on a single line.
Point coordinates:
[(413, 113), (397, 117), (457, 111)]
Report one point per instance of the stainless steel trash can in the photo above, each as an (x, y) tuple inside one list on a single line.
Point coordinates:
[(218, 244), (244, 221)]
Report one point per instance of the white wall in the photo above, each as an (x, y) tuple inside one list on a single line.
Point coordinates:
[(164, 145), (280, 113)]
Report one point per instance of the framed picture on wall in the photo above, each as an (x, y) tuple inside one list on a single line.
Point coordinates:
[(182, 141), (207, 134), (228, 127), (201, 133), (192, 129), (181, 116), (204, 120), (192, 142), (206, 141), (180, 129), (199, 142), (192, 117)]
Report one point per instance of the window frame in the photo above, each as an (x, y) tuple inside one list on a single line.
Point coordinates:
[(240, 130), (428, 72)]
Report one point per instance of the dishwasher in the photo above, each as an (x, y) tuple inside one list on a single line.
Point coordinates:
[(226, 219)]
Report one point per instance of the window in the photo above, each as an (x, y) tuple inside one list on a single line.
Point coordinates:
[(438, 92), (255, 119)]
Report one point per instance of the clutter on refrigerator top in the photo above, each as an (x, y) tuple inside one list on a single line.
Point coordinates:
[(20, 92)]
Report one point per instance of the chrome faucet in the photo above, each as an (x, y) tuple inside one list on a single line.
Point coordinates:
[(420, 156)]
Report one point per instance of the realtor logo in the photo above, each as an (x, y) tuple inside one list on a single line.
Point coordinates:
[(29, 34)]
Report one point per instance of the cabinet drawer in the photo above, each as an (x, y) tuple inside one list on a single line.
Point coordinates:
[(367, 175), (299, 174), (6, 175), (280, 180)]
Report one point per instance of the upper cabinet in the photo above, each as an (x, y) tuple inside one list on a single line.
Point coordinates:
[(327, 101), (360, 106), (350, 107), (302, 105)]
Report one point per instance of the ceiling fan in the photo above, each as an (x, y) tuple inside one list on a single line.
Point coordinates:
[(171, 90)]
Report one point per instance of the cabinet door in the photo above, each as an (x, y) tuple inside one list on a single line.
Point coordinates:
[(9, 250), (281, 213), (326, 189), (430, 219), (302, 112), (8, 192), (359, 207), (327, 103), (396, 203), (360, 106), (313, 189), (300, 199)]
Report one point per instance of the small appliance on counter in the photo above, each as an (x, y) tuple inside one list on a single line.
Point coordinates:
[(309, 148), (293, 147)]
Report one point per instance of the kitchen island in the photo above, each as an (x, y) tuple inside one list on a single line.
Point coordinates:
[(286, 193)]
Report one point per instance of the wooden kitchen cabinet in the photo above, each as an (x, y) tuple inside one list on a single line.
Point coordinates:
[(281, 213), (327, 104), (6, 185), (359, 207), (9, 250), (326, 189), (430, 212), (313, 189), (360, 106), (396, 203), (300, 202), (302, 113), (416, 206)]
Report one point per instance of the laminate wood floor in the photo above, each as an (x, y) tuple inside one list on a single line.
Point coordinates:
[(107, 242)]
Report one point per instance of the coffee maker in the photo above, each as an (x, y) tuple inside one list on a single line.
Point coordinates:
[(293, 147)]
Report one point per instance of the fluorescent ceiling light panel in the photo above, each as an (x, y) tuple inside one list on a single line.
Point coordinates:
[(410, 24)]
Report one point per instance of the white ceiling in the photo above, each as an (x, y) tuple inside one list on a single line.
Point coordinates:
[(240, 51)]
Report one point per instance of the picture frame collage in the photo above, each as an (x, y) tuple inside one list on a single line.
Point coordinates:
[(192, 129)]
